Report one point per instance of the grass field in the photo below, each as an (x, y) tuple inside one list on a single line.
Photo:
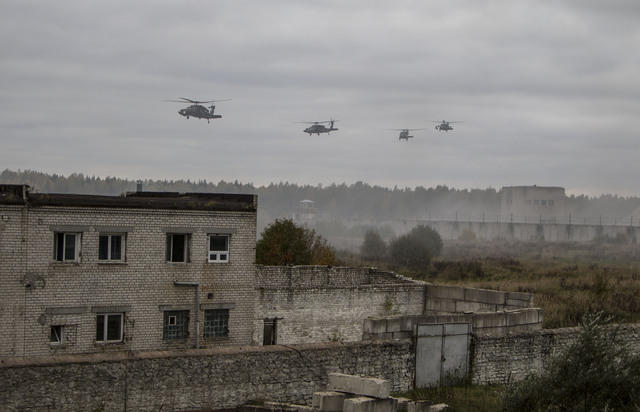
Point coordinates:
[(568, 279)]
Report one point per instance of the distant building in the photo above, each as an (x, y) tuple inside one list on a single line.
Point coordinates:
[(142, 271), (306, 211), (532, 203)]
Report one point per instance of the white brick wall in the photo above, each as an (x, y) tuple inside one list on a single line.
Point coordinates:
[(143, 282)]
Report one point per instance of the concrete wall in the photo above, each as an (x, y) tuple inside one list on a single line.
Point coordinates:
[(512, 357), (195, 379), (71, 293), (458, 299), (319, 303), (549, 232), (482, 323)]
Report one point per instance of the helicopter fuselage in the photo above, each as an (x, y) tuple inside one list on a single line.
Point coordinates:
[(444, 126), (319, 128), (404, 135), (199, 112)]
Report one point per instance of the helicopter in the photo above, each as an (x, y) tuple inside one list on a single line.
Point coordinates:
[(444, 126), (404, 133), (319, 127), (197, 109)]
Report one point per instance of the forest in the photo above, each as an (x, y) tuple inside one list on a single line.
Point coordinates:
[(356, 202)]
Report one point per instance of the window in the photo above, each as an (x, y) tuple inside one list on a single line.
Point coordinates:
[(66, 247), (56, 335), (218, 248), (550, 202), (216, 323), (270, 332), (176, 324), (178, 247), (110, 247), (543, 202), (109, 327)]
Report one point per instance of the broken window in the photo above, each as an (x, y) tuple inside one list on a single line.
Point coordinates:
[(178, 247), (176, 324), (66, 247), (56, 334), (216, 323), (110, 247), (218, 248), (109, 327)]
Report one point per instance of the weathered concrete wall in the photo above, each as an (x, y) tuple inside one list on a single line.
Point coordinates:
[(319, 303), (482, 323), (512, 357), (534, 231), (195, 379), (457, 299)]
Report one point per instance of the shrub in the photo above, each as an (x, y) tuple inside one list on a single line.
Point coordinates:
[(415, 249), (596, 373), (373, 247), (285, 243)]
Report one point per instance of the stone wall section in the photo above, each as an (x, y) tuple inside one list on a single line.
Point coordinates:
[(37, 291), (195, 379), (511, 358), (319, 303)]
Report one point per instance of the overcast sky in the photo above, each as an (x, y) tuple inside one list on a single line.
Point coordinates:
[(548, 91)]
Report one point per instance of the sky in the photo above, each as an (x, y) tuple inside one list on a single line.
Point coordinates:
[(547, 92)]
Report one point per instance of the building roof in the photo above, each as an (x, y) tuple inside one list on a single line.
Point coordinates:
[(21, 195)]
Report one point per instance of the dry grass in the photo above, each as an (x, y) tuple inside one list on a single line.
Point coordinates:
[(566, 279)]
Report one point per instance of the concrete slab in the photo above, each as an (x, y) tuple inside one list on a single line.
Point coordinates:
[(419, 406), (328, 401), (358, 385), (491, 297), (359, 404), (402, 403)]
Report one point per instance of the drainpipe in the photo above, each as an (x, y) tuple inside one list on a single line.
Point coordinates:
[(197, 286)]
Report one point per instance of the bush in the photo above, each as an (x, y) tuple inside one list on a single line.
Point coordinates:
[(415, 249), (597, 373), (285, 243)]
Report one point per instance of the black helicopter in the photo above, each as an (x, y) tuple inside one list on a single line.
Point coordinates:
[(197, 109), (404, 133), (319, 127), (444, 126)]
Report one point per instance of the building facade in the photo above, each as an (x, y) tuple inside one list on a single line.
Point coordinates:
[(142, 271), (533, 204)]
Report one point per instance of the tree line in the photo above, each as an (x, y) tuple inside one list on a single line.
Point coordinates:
[(356, 201)]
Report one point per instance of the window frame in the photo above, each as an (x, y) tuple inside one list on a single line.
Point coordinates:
[(60, 249), (60, 336), (167, 315), (123, 242), (169, 239), (217, 253), (105, 330), (208, 330)]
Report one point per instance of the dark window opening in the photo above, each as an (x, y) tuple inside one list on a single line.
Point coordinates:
[(109, 327), (177, 247), (66, 245), (218, 248), (176, 324), (216, 323), (55, 335), (270, 332), (110, 247)]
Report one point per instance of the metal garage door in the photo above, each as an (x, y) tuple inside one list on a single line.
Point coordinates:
[(442, 353)]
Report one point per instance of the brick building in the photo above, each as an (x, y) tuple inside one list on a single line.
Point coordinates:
[(142, 271)]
